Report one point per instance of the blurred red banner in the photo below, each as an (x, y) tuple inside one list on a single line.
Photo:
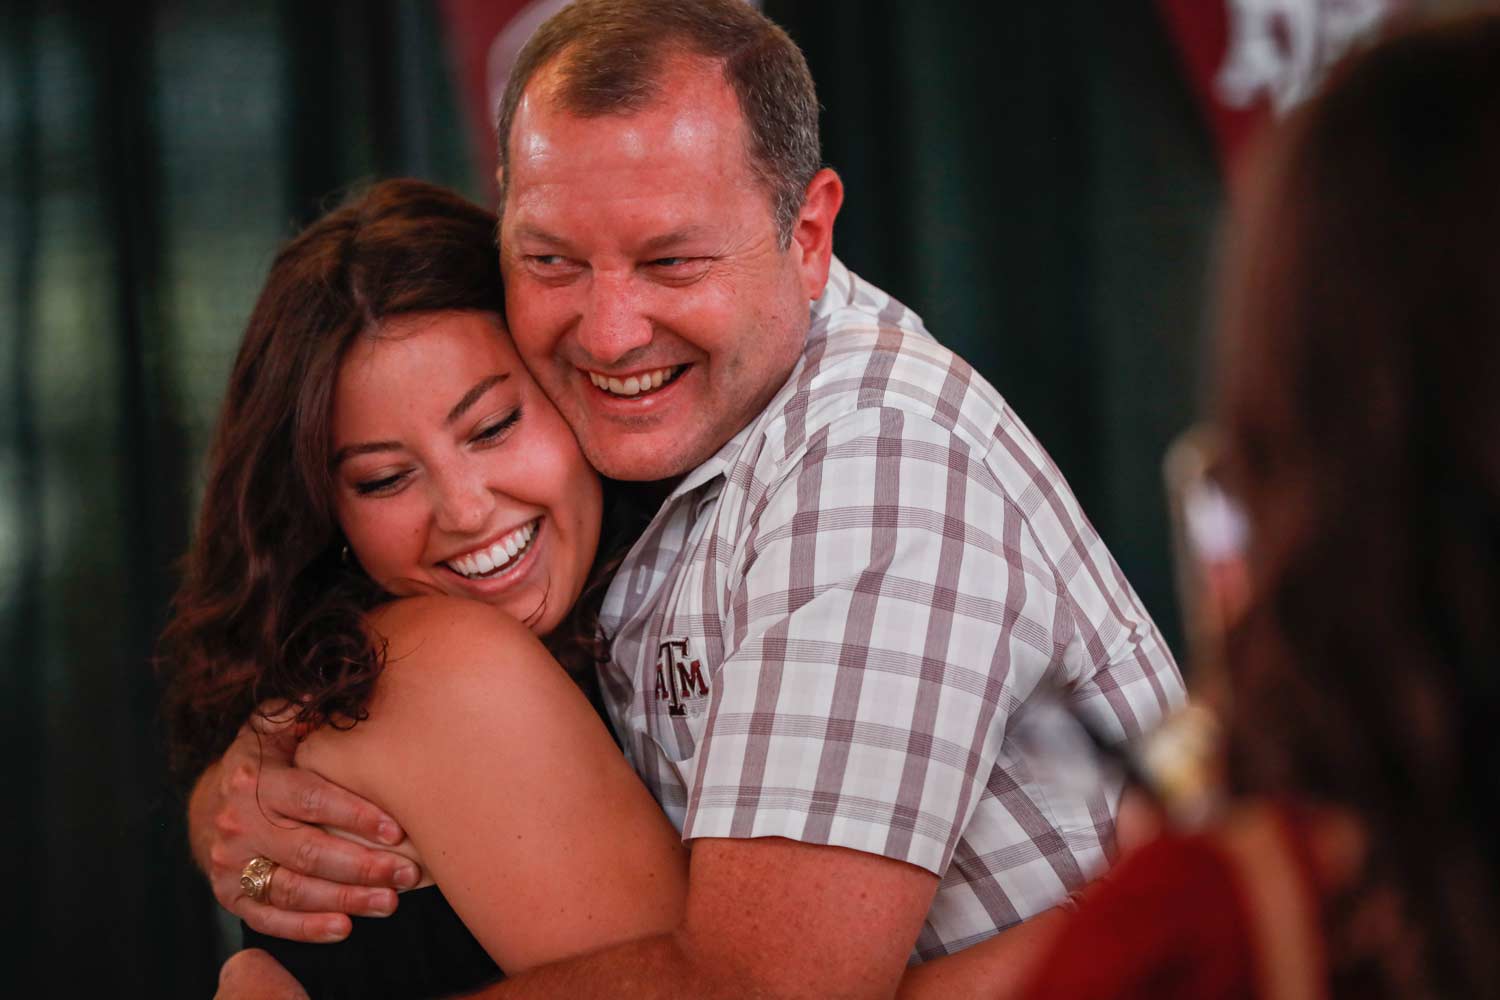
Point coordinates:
[(1250, 60), (483, 38)]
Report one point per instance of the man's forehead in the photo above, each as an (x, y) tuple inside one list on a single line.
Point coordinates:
[(679, 157), (675, 148), (687, 90), (654, 77)]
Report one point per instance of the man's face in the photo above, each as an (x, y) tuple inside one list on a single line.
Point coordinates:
[(645, 285)]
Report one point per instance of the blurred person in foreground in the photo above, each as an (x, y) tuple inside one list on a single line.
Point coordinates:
[(1359, 407)]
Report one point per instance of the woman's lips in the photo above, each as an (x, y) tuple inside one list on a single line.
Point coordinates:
[(494, 558)]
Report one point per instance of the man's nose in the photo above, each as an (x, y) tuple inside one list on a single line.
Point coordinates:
[(614, 320)]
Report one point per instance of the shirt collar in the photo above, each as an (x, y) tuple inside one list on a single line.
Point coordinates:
[(837, 293), (715, 466)]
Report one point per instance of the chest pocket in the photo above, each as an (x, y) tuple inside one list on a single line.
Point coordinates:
[(677, 697), (679, 640)]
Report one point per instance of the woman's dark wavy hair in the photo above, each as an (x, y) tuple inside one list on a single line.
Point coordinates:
[(269, 608), (1360, 399)]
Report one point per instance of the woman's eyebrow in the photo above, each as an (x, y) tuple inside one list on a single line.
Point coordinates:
[(349, 451), (471, 397)]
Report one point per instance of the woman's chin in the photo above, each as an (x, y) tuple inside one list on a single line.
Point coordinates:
[(523, 589)]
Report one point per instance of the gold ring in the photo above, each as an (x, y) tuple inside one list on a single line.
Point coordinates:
[(255, 878)]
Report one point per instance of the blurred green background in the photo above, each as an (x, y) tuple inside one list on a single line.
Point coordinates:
[(1041, 191)]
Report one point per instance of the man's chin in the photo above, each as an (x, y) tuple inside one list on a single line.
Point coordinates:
[(645, 458)]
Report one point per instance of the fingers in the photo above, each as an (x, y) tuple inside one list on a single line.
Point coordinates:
[(307, 798), (264, 806), (300, 893), (337, 859), (345, 876), (281, 908), (294, 925), (300, 908)]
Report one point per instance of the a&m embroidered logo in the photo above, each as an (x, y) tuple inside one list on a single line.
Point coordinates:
[(679, 677)]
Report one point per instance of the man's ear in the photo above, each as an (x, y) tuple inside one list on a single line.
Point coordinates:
[(812, 234)]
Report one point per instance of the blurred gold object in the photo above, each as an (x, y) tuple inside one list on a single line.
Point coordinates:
[(1181, 763), (1209, 536), (1182, 760)]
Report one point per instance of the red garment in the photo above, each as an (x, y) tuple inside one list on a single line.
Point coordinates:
[(1170, 922)]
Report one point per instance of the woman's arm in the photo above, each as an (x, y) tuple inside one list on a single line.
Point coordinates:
[(513, 794)]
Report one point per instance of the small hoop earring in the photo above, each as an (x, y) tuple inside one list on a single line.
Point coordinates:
[(344, 555)]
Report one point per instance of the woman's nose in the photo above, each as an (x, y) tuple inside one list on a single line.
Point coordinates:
[(462, 504)]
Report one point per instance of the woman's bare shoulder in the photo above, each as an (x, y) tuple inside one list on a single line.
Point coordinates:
[(514, 795), (429, 629), (450, 664)]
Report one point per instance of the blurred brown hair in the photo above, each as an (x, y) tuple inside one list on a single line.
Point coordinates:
[(1360, 400), (610, 53)]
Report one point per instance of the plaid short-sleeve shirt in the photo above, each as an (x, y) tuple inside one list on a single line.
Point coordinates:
[(828, 630)]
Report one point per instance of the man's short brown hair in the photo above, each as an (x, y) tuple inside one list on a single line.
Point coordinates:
[(610, 55)]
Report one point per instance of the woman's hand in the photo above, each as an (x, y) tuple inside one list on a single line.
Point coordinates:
[(254, 802), (255, 974)]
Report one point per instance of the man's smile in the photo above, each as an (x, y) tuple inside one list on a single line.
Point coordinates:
[(637, 383)]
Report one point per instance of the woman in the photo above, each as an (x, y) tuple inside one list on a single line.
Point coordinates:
[(1359, 404), (394, 512)]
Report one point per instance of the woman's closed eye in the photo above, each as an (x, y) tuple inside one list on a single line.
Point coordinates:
[(494, 431), (382, 486), (488, 434)]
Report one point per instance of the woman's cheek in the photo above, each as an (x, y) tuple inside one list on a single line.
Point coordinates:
[(380, 535)]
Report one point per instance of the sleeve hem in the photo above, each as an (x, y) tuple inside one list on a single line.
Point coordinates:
[(866, 836)]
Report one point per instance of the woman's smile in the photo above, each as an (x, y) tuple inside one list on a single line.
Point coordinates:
[(489, 561)]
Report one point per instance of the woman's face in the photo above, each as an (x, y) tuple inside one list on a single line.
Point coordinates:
[(455, 475)]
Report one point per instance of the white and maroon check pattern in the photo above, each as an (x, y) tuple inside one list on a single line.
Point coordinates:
[(874, 577)]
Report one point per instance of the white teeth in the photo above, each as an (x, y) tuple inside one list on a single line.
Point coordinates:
[(497, 556), (634, 385)]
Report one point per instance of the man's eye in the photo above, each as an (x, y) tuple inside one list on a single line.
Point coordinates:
[(552, 266), (679, 269), (380, 487)]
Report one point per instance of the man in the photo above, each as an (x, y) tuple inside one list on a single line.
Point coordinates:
[(864, 571)]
